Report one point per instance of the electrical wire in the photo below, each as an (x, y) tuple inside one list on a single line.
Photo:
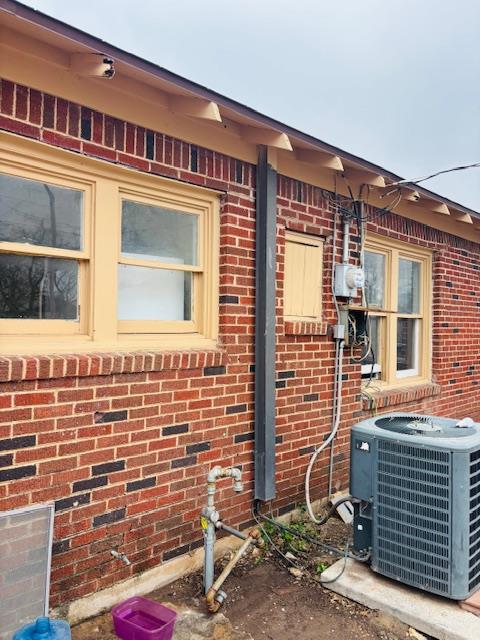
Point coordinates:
[(339, 575), (311, 539), (434, 175), (272, 544)]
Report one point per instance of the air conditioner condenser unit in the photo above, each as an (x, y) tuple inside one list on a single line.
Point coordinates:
[(417, 479)]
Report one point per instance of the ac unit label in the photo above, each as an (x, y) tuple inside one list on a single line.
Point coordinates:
[(362, 445)]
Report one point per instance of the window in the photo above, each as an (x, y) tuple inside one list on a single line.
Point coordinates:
[(44, 253), (398, 297), (303, 277), (102, 254)]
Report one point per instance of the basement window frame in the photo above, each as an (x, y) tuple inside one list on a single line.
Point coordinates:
[(104, 185), (292, 311), (388, 314)]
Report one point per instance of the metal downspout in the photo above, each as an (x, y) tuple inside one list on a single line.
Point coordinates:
[(265, 320)]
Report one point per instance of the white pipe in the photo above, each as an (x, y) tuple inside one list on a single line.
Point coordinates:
[(334, 414), (332, 435)]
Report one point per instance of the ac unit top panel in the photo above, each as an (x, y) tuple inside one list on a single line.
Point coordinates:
[(421, 430)]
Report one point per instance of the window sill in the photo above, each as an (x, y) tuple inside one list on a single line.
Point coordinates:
[(78, 363), (305, 328), (390, 397)]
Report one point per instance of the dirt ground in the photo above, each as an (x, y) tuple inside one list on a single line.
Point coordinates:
[(268, 602)]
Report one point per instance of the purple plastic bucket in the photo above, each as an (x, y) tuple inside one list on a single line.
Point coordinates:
[(142, 619)]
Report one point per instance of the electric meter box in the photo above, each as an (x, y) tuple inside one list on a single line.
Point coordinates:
[(347, 280)]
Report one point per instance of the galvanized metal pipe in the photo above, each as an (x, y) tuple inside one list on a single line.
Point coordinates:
[(211, 516), (231, 530), (346, 240), (209, 560), (213, 602)]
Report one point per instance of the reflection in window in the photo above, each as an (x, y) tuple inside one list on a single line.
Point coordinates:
[(408, 286), (151, 232), (374, 264), (407, 340), (38, 288), (33, 212), (371, 367)]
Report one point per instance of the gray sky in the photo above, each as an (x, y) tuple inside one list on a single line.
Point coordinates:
[(393, 81)]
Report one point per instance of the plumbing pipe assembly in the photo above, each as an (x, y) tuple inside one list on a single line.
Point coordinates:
[(210, 522), (210, 517), (215, 597)]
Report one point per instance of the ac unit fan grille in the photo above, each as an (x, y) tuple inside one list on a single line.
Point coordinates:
[(474, 542), (413, 515)]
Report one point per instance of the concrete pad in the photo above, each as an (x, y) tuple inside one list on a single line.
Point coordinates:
[(438, 617), (472, 603)]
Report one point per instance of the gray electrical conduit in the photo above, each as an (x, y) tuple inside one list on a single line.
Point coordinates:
[(336, 423), (334, 414), (334, 403)]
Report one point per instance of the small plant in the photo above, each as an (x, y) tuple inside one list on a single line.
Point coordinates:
[(320, 567)]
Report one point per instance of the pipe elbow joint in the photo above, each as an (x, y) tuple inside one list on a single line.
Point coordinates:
[(214, 474), (236, 474), (238, 486)]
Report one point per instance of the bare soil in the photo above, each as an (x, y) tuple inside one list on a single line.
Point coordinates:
[(266, 601)]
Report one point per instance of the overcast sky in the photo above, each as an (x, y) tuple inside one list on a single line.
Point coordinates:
[(394, 81)]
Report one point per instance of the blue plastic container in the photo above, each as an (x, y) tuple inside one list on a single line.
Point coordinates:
[(44, 629)]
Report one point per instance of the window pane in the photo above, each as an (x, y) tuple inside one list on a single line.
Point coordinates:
[(38, 288), (41, 214), (374, 278), (408, 286), (374, 339), (154, 294), (407, 344), (151, 232), (371, 366)]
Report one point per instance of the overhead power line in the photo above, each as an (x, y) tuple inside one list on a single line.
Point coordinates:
[(434, 175)]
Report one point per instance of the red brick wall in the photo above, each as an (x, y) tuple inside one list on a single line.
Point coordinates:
[(122, 442)]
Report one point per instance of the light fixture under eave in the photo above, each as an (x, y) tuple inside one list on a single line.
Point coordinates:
[(92, 65)]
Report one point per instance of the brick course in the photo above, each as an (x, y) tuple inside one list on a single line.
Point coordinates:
[(122, 442)]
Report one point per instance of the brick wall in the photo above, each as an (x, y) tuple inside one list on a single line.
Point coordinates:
[(122, 442)]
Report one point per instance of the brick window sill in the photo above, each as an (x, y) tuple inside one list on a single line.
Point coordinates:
[(381, 399), (305, 328), (18, 368)]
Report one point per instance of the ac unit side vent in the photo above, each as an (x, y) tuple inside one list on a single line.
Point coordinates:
[(406, 504), (474, 555)]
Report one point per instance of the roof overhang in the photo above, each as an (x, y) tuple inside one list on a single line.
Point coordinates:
[(44, 53)]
